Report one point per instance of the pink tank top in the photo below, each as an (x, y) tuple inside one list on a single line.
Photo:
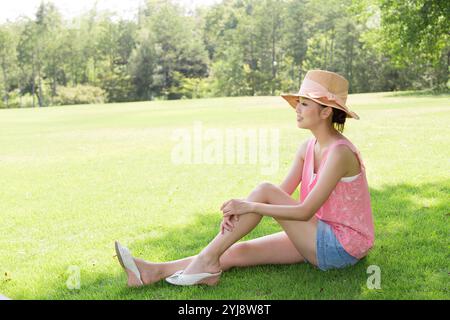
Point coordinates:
[(347, 210)]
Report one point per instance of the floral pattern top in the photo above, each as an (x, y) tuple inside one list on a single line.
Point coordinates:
[(347, 210)]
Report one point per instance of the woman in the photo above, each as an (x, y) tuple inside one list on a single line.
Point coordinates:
[(330, 227)]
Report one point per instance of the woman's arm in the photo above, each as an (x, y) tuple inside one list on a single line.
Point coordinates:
[(294, 177), (335, 167)]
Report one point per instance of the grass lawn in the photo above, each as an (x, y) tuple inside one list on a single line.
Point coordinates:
[(76, 178)]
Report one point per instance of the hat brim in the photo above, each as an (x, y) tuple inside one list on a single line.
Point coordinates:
[(292, 100)]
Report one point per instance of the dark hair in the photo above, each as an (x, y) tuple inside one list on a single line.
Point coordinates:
[(338, 118)]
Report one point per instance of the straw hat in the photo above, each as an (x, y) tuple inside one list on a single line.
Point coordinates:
[(324, 87)]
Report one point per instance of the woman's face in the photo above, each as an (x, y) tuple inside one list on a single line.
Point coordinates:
[(308, 113)]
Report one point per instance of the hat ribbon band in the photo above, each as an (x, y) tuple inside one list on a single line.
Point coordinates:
[(316, 90)]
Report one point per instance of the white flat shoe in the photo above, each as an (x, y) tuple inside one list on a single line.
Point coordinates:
[(126, 261), (180, 279)]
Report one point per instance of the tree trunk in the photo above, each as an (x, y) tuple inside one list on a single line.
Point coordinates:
[(446, 73), (33, 82), (253, 66), (41, 104), (349, 55), (300, 74), (54, 80), (20, 94), (40, 100), (332, 49), (292, 74), (273, 57), (351, 66), (5, 80)]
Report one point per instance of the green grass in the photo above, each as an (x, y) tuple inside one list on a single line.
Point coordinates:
[(76, 178)]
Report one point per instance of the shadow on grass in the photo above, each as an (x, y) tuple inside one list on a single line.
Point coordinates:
[(410, 249)]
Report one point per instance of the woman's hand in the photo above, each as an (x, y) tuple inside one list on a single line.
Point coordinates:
[(228, 223), (236, 207)]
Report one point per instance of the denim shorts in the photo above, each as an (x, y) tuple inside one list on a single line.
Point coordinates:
[(330, 253)]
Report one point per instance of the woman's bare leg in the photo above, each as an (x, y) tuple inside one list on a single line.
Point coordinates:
[(272, 249), (301, 233), (220, 243), (275, 248)]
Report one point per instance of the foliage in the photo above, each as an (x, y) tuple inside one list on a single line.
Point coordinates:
[(233, 48), (416, 33), (80, 94)]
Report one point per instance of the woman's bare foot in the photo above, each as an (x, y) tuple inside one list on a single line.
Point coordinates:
[(203, 263), (132, 280), (150, 272)]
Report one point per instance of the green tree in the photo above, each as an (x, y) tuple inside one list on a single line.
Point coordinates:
[(172, 49), (295, 43), (417, 33), (8, 62), (48, 58), (27, 57), (116, 43), (226, 53), (142, 64)]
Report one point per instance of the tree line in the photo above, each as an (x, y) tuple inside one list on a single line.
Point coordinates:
[(233, 48)]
